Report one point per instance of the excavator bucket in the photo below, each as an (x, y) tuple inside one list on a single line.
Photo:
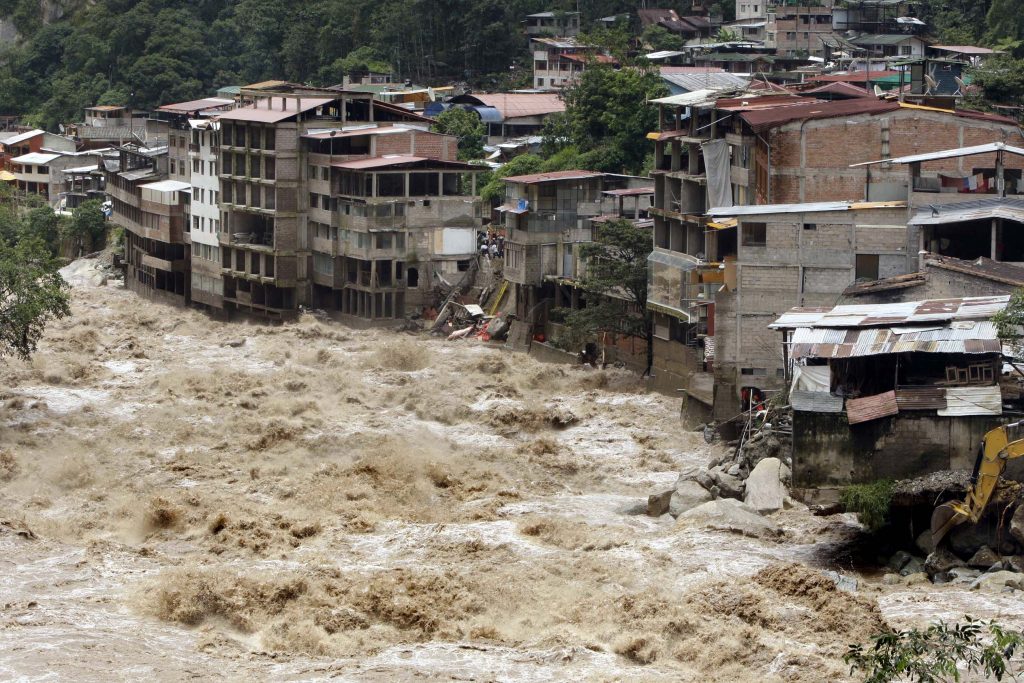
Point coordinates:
[(945, 517)]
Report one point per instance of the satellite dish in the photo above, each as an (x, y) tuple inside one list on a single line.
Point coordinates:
[(932, 84), (878, 91), (961, 87)]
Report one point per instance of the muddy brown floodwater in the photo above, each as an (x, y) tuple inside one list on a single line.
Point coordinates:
[(319, 502)]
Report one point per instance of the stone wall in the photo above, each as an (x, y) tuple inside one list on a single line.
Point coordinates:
[(828, 452)]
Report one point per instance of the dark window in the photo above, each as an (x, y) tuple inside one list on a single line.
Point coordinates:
[(867, 267), (810, 226), (754, 234)]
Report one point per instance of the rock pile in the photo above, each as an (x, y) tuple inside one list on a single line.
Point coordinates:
[(756, 474), (979, 555)]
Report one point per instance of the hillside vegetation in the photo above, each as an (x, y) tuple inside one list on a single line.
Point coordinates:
[(68, 54)]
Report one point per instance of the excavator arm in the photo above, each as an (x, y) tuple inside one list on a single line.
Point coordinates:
[(996, 449)]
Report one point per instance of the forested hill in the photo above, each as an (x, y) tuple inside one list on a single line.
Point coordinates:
[(63, 55)]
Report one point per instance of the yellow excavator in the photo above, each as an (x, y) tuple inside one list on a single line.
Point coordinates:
[(996, 448)]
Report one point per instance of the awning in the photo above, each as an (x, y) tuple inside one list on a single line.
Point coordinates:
[(512, 208), (7, 177)]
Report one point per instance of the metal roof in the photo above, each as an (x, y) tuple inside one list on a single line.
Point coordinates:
[(356, 131), (982, 209), (518, 105), (81, 169), (701, 81), (979, 308), (984, 268), (35, 158), (972, 337), (694, 98), (809, 207), (839, 88), (815, 402), (21, 137), (269, 110), (670, 70), (372, 163), (204, 104), (871, 407), (167, 186), (966, 49), (763, 119), (921, 398), (884, 39), (948, 154), (534, 178), (629, 192), (984, 400)]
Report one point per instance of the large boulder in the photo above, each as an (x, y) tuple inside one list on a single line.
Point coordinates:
[(1017, 524), (997, 581), (728, 485), (984, 558), (941, 560), (687, 495), (726, 514), (657, 503), (765, 491)]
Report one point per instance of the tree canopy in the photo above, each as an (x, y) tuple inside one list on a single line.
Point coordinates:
[(32, 293), (467, 127)]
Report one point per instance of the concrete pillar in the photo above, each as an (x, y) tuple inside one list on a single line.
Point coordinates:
[(995, 223)]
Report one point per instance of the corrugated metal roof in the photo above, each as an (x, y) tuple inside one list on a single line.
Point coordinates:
[(629, 192), (982, 209), (973, 401), (869, 408), (703, 81), (694, 98), (21, 137), (921, 398), (669, 70), (816, 402), (552, 176), (984, 268), (400, 160), (948, 154), (809, 207), (934, 310), (763, 119), (965, 49)]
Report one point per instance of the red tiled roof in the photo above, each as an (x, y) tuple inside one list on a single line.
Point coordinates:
[(554, 175)]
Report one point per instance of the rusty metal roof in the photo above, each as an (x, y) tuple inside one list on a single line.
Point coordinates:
[(1005, 273), (886, 284), (887, 315), (773, 117), (871, 407), (921, 398), (972, 337), (981, 209), (816, 402)]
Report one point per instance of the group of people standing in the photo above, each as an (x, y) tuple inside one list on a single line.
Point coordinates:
[(492, 245)]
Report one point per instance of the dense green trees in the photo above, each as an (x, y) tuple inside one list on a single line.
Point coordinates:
[(467, 127)]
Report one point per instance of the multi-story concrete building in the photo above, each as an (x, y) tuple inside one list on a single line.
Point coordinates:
[(557, 62), (42, 173), (797, 30), (207, 281), (282, 171), (553, 24), (154, 212), (547, 216), (714, 152), (33, 141)]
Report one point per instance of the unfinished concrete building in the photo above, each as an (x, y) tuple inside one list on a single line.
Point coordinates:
[(386, 230), (270, 204), (719, 149), (154, 212), (547, 217)]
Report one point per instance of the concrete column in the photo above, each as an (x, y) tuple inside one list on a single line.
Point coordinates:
[(995, 223)]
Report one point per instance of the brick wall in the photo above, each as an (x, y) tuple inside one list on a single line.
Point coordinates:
[(810, 161)]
